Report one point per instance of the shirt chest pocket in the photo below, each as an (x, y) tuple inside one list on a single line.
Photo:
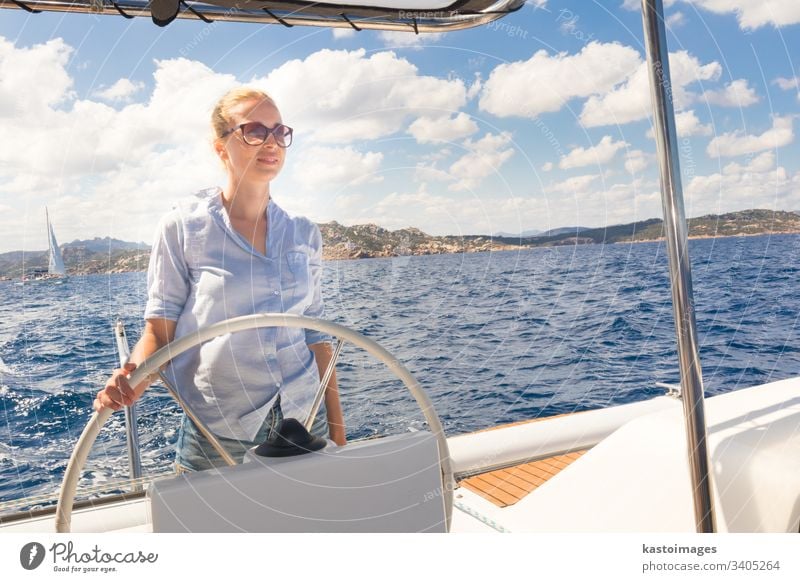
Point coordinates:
[(295, 282)]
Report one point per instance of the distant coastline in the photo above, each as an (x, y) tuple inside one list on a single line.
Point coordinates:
[(372, 241)]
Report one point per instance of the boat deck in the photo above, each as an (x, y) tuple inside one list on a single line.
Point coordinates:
[(505, 487)]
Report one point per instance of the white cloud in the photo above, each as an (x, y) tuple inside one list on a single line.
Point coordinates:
[(599, 154), (738, 144), (757, 184), (547, 166), (430, 173), (475, 88), (115, 171), (440, 214), (763, 162), (331, 168), (122, 90), (687, 124), (437, 213), (749, 13), (753, 14), (421, 209), (544, 83), (33, 79), (787, 84), (408, 39), (440, 154), (736, 94), (433, 213), (610, 204), (94, 138), (484, 159), (676, 19), (636, 161), (631, 100), (573, 185), (429, 130), (340, 33), (342, 96), (588, 201)]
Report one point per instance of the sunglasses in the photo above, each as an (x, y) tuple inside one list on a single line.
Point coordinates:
[(255, 133)]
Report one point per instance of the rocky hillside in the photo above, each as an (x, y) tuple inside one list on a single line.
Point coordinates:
[(746, 222), (368, 240)]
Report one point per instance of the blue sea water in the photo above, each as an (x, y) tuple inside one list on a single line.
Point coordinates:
[(493, 338)]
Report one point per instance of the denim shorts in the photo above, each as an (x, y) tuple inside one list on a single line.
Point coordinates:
[(194, 452)]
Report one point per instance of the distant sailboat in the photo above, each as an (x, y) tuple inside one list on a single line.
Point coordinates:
[(55, 266)]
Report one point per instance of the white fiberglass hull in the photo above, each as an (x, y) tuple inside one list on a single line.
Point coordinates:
[(634, 478)]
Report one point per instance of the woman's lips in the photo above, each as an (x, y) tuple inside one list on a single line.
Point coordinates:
[(268, 160)]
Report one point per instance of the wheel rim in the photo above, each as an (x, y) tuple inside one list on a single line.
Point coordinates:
[(81, 451)]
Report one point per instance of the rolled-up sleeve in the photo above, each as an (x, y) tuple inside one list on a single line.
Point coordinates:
[(168, 281), (317, 308)]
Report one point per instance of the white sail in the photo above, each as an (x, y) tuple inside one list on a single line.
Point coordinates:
[(56, 264)]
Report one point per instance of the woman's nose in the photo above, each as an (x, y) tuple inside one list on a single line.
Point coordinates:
[(271, 140)]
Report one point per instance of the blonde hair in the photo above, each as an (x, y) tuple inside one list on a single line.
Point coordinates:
[(221, 116)]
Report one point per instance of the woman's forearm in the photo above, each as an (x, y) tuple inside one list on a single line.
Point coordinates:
[(336, 426), (117, 391), (323, 355), (156, 334)]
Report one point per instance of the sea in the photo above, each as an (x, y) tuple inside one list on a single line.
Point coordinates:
[(493, 338)]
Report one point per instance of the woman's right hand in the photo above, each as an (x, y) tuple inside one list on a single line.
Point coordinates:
[(118, 392)]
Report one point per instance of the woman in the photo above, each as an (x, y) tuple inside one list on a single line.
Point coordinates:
[(226, 253)]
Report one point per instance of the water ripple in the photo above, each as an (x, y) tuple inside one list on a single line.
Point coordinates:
[(492, 337)]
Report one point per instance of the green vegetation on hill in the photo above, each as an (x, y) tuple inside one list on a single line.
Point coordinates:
[(369, 240), (745, 222)]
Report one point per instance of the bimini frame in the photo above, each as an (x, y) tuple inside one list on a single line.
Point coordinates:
[(406, 15), (437, 16)]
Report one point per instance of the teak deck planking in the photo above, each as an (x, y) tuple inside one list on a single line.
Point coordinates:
[(505, 487)]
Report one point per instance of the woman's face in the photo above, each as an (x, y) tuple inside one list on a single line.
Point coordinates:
[(246, 162)]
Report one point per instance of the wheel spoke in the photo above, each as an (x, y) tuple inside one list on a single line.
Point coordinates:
[(323, 385), (201, 426)]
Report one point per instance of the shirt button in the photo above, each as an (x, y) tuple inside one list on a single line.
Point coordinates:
[(278, 385), (276, 292)]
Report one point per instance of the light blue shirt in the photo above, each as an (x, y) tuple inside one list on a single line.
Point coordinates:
[(202, 272)]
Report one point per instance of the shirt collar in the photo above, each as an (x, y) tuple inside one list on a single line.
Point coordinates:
[(217, 210)]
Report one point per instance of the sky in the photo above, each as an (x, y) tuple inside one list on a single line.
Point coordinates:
[(536, 121)]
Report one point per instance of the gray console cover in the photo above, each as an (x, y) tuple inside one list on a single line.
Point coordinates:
[(392, 484)]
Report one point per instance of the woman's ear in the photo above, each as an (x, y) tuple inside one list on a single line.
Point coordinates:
[(219, 147)]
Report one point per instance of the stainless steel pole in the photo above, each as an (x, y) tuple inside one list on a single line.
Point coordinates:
[(676, 232), (131, 430)]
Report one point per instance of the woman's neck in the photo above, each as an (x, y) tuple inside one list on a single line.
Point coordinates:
[(245, 201)]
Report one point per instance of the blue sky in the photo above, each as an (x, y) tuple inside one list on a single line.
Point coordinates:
[(536, 121)]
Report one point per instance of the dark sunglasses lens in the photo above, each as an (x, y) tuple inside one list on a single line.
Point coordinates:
[(283, 135), (254, 133)]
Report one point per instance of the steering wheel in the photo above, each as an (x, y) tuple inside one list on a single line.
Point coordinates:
[(169, 351)]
